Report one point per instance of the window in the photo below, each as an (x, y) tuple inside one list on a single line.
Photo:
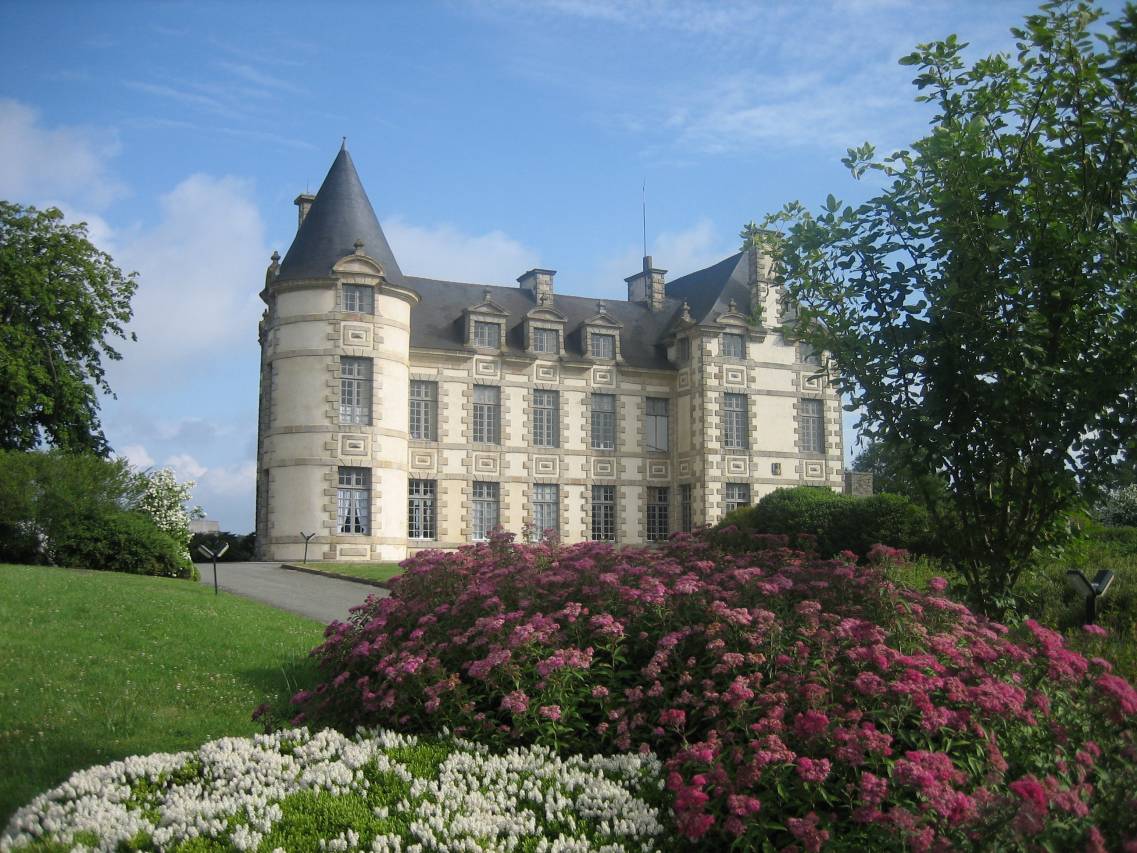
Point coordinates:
[(604, 513), (487, 414), (737, 495), (776, 469), (686, 510), (546, 340), (485, 509), (658, 523), (355, 390), (546, 510), (358, 298), (353, 501), (545, 417), (604, 421), (809, 355), (421, 523), (424, 410), (812, 427), (684, 350), (734, 421), (733, 346), (602, 346), (655, 424), (487, 335)]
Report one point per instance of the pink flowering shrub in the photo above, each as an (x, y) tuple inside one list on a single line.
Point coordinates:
[(795, 701)]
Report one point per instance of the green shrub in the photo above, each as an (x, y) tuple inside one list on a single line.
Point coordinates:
[(1118, 508), (122, 542), (834, 522)]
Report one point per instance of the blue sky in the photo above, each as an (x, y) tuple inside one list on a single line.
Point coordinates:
[(492, 137)]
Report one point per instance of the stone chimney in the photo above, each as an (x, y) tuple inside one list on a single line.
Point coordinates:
[(303, 202), (540, 283), (647, 286), (761, 267)]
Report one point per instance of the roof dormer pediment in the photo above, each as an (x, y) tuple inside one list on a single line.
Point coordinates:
[(359, 264), (546, 314), (602, 318), (732, 316), (488, 306)]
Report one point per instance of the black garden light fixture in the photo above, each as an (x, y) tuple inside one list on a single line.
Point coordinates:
[(213, 555), (307, 539), (1091, 590)]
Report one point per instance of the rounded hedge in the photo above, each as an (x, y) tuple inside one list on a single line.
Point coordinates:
[(832, 522), (122, 542)]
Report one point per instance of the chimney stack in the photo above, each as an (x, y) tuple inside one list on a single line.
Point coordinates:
[(540, 283), (647, 286), (303, 202)]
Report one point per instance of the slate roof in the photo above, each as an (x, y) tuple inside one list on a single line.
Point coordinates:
[(340, 215)]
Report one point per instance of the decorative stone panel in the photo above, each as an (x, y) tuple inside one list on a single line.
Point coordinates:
[(736, 466), (658, 469), (546, 372), (604, 467), (603, 376), (684, 379), (684, 469), (813, 381), (734, 375), (814, 470), (486, 464), (487, 367), (423, 461), (546, 466), (355, 445), (355, 335), (352, 552)]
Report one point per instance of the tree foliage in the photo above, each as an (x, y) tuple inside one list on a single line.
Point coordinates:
[(981, 309), (61, 302)]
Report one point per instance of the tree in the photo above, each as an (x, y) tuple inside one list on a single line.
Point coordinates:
[(892, 474), (61, 300), (981, 310)]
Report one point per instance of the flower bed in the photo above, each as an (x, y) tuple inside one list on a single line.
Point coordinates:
[(794, 700), (378, 791)]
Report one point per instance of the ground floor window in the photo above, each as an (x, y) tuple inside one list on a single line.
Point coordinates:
[(546, 510), (353, 501), (737, 495), (686, 509), (658, 521), (604, 513), (486, 515), (421, 518)]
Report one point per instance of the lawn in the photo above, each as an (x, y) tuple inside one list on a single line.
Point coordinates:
[(366, 571), (97, 666)]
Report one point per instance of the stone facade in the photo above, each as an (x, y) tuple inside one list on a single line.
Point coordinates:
[(424, 330)]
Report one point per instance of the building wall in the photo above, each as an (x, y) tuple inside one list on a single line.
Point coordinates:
[(302, 444)]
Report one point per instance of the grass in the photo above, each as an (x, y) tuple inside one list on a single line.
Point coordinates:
[(99, 665), (367, 571)]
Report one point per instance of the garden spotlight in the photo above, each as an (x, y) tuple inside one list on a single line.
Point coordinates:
[(1091, 590), (213, 555)]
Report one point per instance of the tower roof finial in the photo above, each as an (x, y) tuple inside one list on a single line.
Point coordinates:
[(343, 143)]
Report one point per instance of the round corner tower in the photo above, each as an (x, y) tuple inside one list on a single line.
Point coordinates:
[(335, 350)]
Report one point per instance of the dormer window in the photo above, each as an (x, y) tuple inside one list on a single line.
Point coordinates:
[(733, 345), (602, 345), (359, 298), (546, 340), (487, 335), (684, 350)]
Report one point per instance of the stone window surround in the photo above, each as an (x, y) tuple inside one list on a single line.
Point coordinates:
[(671, 426), (487, 314), (501, 421), (827, 421), (607, 327), (341, 297), (550, 325), (647, 501)]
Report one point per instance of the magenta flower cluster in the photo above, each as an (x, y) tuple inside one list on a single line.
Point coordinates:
[(796, 702)]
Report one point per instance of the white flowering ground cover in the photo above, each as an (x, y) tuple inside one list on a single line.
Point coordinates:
[(378, 791)]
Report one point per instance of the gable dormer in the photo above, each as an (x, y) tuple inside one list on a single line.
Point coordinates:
[(735, 332), (545, 329), (486, 324), (600, 336)]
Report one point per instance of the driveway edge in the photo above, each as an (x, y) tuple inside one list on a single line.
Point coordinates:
[(292, 567)]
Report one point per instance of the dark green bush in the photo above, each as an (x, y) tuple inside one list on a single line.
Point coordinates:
[(242, 546), (122, 542), (832, 522)]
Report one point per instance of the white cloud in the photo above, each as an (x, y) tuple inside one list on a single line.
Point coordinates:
[(137, 456), (39, 164), (445, 252), (200, 269), (185, 467), (232, 480), (678, 252)]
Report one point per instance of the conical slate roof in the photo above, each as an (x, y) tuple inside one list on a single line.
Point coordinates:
[(340, 215)]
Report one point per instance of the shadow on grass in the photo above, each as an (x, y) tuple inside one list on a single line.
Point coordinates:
[(277, 685)]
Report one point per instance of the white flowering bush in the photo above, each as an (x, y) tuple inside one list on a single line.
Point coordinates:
[(1119, 508), (377, 791), (164, 500)]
